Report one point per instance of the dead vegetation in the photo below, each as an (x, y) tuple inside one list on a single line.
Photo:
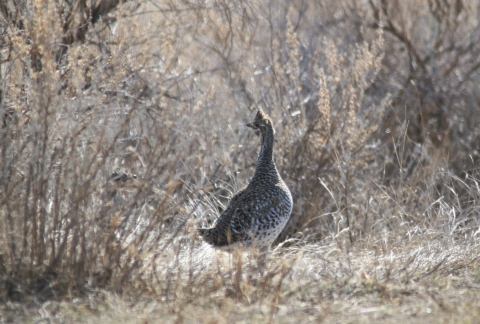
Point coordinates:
[(123, 130)]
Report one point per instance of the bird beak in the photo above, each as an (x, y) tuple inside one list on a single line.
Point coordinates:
[(250, 125)]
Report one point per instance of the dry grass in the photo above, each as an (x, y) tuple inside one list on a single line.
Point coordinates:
[(122, 131), (434, 282)]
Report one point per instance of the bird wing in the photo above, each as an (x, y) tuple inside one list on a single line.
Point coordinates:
[(232, 225)]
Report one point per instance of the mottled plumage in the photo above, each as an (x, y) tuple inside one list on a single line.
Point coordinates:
[(257, 214)]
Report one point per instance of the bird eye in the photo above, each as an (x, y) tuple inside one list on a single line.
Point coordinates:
[(256, 124)]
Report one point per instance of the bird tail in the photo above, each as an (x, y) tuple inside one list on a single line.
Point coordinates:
[(206, 234)]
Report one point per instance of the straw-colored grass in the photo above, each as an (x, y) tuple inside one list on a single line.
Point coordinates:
[(122, 132)]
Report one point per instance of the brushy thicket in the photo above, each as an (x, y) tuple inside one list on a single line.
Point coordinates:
[(123, 130)]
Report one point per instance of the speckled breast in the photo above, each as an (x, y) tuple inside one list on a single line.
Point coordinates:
[(277, 208)]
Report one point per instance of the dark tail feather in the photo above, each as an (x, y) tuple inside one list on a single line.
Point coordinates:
[(215, 238), (206, 235)]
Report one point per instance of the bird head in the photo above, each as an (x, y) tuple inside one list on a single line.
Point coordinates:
[(261, 122)]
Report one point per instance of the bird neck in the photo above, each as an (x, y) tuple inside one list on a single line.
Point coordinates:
[(265, 162)]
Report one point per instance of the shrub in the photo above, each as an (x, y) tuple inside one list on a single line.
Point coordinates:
[(123, 127)]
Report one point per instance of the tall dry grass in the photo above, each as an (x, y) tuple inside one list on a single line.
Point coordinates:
[(123, 130)]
